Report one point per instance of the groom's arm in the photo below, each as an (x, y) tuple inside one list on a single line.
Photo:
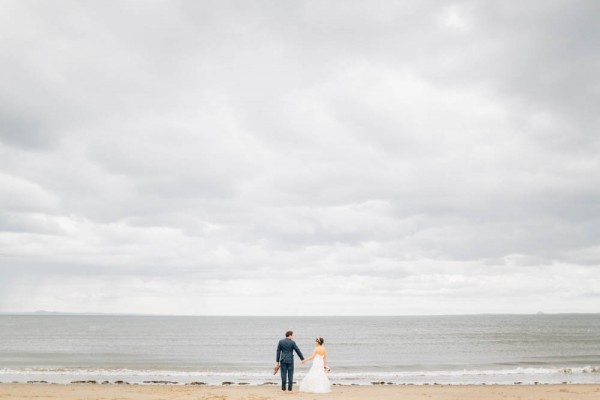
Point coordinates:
[(297, 350), (278, 352)]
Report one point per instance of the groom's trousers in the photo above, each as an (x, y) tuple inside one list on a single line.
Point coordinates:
[(287, 374)]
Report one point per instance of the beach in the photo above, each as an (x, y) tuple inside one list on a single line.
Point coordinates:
[(10, 391)]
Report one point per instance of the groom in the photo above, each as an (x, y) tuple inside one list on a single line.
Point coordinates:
[(285, 359)]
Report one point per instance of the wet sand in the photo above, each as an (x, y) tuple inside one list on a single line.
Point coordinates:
[(20, 391)]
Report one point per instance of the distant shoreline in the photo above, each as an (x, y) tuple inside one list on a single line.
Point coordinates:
[(63, 313)]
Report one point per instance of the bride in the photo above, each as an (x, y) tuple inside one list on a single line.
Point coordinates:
[(315, 380)]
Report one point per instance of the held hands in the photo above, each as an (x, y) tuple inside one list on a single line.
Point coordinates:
[(303, 362)]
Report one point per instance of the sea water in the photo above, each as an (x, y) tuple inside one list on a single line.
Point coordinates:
[(478, 349)]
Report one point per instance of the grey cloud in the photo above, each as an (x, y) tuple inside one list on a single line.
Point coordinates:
[(18, 222), (21, 131)]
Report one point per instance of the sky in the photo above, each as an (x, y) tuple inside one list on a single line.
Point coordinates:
[(300, 158)]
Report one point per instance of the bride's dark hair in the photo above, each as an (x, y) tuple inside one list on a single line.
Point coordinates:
[(320, 341)]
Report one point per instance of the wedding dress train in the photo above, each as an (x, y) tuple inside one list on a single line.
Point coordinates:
[(316, 380)]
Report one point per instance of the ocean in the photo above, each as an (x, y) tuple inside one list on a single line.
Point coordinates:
[(477, 349)]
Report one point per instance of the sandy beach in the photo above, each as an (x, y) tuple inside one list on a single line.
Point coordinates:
[(9, 391)]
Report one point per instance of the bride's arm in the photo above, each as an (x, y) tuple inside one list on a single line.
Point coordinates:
[(310, 358), (325, 359)]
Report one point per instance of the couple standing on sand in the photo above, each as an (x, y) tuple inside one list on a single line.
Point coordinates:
[(315, 380)]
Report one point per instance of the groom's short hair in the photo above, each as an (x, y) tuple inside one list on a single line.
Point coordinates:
[(289, 333)]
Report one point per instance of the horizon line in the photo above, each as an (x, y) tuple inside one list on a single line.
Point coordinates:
[(50, 313)]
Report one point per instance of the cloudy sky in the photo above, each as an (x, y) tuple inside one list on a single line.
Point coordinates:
[(305, 157)]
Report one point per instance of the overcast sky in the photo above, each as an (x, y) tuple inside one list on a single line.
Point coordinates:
[(300, 157)]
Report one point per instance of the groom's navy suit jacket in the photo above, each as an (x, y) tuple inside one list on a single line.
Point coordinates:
[(285, 351)]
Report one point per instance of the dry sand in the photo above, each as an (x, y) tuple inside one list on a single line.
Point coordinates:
[(10, 391)]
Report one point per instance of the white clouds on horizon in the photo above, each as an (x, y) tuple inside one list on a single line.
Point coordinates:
[(207, 158)]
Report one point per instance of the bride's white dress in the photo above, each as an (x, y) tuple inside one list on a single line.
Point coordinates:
[(316, 380)]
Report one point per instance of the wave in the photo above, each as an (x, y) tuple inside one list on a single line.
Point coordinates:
[(126, 371), (122, 372), (491, 372), (588, 374)]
